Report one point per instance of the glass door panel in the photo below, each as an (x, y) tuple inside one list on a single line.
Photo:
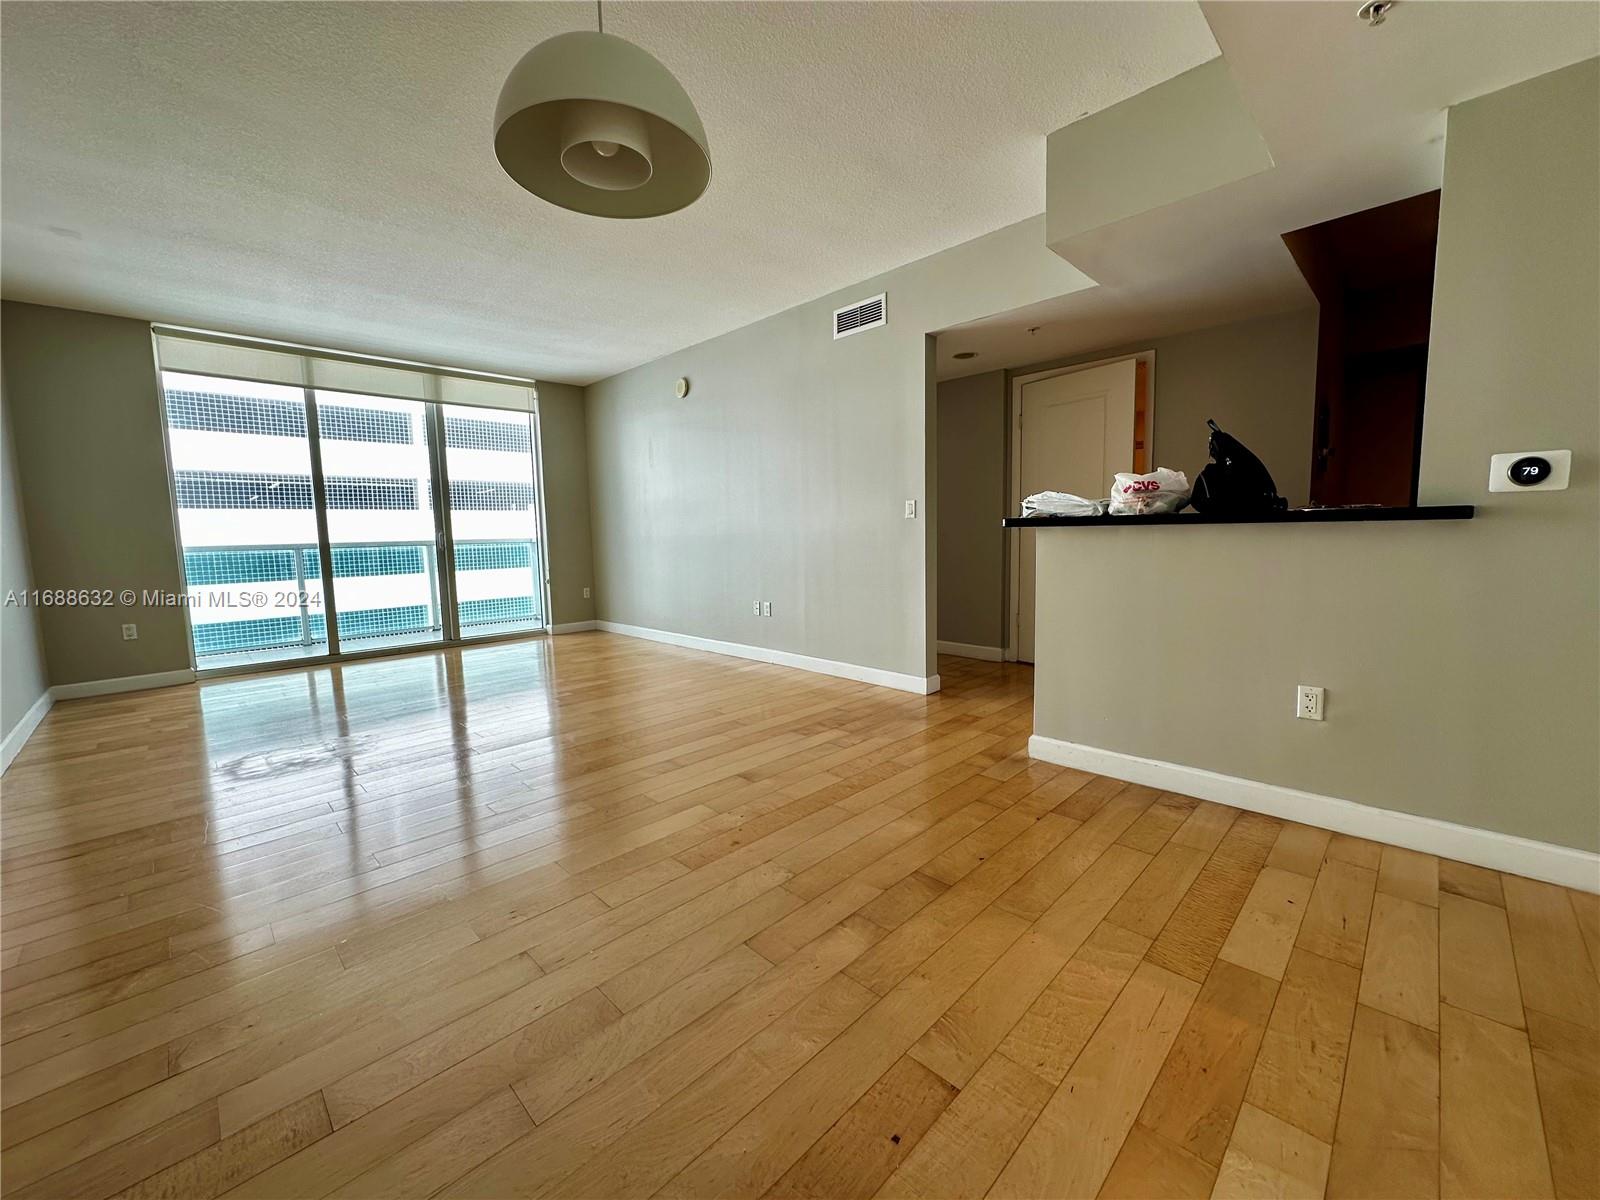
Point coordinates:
[(378, 489), (241, 470), (494, 520)]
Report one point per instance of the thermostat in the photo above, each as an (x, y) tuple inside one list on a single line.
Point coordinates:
[(1530, 471)]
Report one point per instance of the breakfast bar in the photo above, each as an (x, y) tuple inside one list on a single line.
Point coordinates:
[(1168, 652), (1297, 516)]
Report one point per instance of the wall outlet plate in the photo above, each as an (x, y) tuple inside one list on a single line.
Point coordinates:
[(1521, 471), (1308, 702), (130, 633)]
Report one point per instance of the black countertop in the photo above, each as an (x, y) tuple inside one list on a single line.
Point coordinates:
[(1296, 516)]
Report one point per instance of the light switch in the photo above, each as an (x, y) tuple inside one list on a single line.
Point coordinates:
[(911, 510)]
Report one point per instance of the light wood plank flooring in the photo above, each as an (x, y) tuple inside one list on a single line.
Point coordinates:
[(596, 917)]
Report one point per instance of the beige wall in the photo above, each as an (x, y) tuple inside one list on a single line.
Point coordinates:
[(784, 474), (1185, 135), (23, 679), (83, 396), (564, 448), (1460, 658), (86, 415), (972, 500)]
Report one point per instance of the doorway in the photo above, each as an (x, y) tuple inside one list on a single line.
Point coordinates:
[(1372, 273), (316, 523), (1073, 428)]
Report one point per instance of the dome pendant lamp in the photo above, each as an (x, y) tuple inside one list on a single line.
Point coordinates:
[(592, 123)]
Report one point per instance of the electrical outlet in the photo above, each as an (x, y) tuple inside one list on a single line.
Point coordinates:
[(755, 607), (766, 608), (911, 510), (1308, 703), (130, 633), (585, 593)]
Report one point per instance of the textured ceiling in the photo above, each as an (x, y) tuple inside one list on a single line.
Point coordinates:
[(323, 172), (1354, 116)]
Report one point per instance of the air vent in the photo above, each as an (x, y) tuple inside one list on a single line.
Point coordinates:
[(864, 314)]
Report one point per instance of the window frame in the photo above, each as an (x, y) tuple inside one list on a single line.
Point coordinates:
[(444, 540)]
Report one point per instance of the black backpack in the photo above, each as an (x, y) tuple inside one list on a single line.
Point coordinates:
[(1235, 481)]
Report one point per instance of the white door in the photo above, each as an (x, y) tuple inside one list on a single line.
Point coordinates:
[(1077, 432)]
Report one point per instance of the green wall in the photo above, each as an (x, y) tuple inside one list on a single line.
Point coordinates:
[(86, 414), (564, 447), (784, 474), (1256, 377), (973, 497), (23, 680), (1460, 657)]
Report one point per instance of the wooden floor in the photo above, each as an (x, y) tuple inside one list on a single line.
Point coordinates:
[(597, 917)]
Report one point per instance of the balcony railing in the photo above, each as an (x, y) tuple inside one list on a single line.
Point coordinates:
[(229, 580)]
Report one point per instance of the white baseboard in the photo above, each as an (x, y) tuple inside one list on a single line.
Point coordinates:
[(573, 627), (966, 650), (922, 685), (23, 729), (1498, 851), (127, 683)]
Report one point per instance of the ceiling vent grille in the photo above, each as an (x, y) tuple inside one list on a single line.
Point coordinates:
[(860, 316)]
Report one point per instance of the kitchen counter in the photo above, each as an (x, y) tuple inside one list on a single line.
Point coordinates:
[(1296, 516)]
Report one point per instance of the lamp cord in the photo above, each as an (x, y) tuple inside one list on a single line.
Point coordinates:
[(599, 17)]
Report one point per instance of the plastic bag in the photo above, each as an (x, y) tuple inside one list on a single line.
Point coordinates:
[(1161, 491), (1061, 504)]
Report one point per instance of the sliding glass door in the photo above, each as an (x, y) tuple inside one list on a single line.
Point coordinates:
[(247, 520), (276, 487), (494, 519), (378, 485)]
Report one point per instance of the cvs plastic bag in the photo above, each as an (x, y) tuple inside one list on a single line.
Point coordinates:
[(1161, 491)]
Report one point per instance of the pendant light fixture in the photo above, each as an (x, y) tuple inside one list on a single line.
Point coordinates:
[(592, 123)]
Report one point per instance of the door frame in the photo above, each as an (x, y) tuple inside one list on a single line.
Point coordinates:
[(1014, 467)]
